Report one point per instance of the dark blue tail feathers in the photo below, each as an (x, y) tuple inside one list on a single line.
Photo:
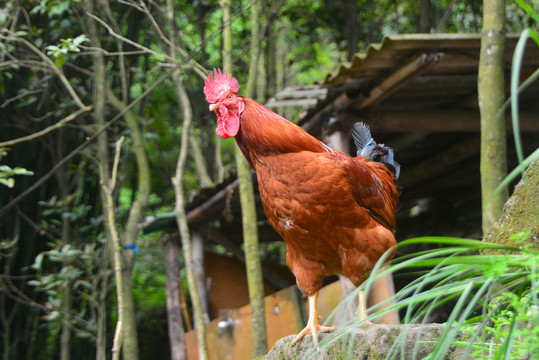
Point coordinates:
[(371, 151)]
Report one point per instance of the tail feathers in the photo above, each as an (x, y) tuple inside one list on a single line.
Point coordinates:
[(371, 151)]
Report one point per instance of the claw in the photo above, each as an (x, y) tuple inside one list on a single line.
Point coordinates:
[(313, 326), (312, 329), (362, 308)]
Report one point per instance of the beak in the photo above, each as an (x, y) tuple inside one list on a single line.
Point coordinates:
[(214, 107)]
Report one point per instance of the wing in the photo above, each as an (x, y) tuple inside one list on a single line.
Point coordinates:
[(331, 181), (373, 188)]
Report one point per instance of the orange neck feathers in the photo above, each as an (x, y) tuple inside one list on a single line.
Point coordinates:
[(263, 132)]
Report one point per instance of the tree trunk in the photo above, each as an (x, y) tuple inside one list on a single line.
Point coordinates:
[(352, 27), (198, 262), (127, 336), (270, 59), (247, 199), (129, 324), (101, 336), (252, 259), (63, 188), (131, 229), (109, 215), (424, 20), (255, 50), (491, 98), (178, 350), (130, 234), (181, 216), (65, 337), (100, 96), (201, 168), (181, 219)]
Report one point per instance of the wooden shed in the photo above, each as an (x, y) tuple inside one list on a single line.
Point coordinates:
[(418, 93)]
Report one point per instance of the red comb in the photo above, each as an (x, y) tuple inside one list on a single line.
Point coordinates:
[(220, 83)]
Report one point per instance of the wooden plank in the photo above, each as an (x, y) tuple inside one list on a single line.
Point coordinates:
[(268, 274), (328, 300), (291, 102), (229, 337), (214, 204), (300, 93), (439, 162), (432, 120), (397, 79)]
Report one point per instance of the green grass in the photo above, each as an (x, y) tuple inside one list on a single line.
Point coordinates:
[(494, 296)]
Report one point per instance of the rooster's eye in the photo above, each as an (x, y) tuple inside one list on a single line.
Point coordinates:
[(229, 97)]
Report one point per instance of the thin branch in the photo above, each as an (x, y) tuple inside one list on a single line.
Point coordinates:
[(91, 138), (123, 76), (33, 224), (31, 64), (92, 49), (181, 216), (116, 162), (198, 68), (16, 295), (21, 95), (47, 60), (45, 131), (445, 17), (130, 42), (117, 249)]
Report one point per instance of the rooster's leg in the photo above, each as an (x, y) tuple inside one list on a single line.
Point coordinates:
[(313, 326), (362, 307)]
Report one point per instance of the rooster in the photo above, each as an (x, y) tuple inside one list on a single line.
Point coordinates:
[(335, 212)]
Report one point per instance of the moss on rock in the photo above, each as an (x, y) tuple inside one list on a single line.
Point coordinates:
[(519, 223), (367, 342)]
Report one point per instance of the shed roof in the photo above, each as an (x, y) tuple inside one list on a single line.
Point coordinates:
[(418, 93)]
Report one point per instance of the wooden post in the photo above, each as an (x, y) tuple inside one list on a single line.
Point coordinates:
[(248, 206), (178, 350), (198, 261)]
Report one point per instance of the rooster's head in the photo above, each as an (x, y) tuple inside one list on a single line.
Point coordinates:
[(221, 92)]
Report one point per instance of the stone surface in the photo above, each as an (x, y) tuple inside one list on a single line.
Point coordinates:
[(518, 224), (370, 342)]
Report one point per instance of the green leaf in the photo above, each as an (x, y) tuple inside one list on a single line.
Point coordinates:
[(38, 262), (60, 60), (8, 182), (34, 283), (534, 36), (518, 55), (494, 268), (80, 39), (22, 171), (53, 315), (527, 8)]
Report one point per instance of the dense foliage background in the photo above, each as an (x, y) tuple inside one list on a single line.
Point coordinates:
[(57, 283)]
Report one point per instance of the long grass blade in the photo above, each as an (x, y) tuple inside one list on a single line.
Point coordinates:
[(529, 80), (517, 171), (518, 55), (528, 9), (445, 240)]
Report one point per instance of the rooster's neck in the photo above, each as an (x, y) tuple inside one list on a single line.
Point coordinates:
[(263, 132)]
